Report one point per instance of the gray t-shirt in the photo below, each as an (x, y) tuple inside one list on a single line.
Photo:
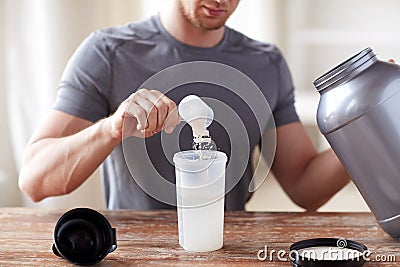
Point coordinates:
[(113, 63)]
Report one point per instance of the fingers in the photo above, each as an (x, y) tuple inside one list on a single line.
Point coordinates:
[(160, 107), (135, 110), (172, 120), (168, 113), (153, 111)]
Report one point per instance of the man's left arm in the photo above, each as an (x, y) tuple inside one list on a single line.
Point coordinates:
[(309, 178)]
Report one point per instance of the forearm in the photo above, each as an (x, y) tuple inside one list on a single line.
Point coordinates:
[(323, 177), (56, 166)]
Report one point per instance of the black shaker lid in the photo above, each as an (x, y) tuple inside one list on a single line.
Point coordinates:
[(83, 236), (345, 70)]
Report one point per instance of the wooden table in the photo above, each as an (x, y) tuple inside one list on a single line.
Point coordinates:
[(151, 237)]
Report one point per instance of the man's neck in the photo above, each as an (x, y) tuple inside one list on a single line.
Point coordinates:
[(181, 29)]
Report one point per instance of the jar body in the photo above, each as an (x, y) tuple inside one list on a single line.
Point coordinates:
[(360, 119)]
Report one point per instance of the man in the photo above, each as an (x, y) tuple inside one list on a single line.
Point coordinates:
[(99, 93)]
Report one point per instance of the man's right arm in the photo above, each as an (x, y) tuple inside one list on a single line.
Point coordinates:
[(63, 153), (65, 150)]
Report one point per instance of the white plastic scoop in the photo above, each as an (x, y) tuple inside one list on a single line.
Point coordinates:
[(199, 116)]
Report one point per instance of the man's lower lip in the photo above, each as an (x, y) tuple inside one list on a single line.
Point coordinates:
[(214, 13)]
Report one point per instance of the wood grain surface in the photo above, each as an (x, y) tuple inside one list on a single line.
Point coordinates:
[(151, 238)]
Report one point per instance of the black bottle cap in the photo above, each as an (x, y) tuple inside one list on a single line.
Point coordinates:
[(327, 252), (83, 236)]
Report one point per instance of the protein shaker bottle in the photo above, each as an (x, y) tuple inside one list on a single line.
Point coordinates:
[(359, 114)]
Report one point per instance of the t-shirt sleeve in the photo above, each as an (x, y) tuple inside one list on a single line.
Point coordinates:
[(285, 111), (85, 81)]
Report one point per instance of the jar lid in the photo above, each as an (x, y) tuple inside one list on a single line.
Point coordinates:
[(327, 252)]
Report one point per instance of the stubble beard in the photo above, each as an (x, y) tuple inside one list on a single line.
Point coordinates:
[(200, 23)]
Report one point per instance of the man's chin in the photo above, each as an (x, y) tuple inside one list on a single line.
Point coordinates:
[(212, 26)]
